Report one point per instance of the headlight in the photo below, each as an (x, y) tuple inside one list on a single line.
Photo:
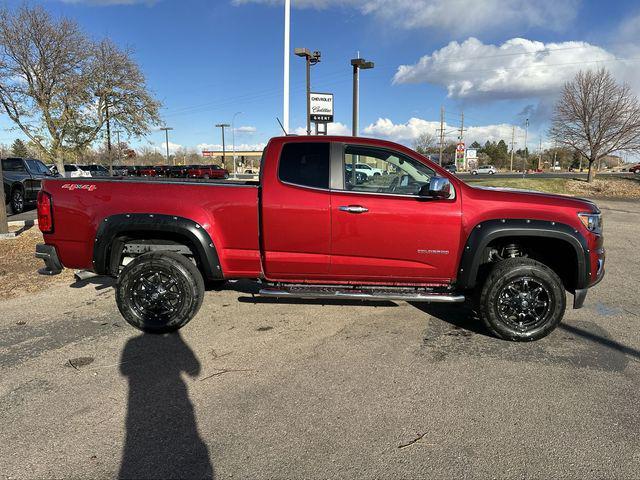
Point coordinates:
[(592, 221)]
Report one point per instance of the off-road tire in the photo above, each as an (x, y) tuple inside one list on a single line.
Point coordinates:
[(493, 299), (174, 306)]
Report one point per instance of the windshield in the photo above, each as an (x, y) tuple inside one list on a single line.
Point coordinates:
[(36, 166)]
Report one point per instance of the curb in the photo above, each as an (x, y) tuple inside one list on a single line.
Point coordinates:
[(23, 223)]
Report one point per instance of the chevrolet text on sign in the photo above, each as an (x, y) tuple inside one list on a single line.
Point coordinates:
[(321, 107)]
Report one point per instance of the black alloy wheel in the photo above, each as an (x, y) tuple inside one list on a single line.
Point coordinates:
[(159, 292), (17, 201), (522, 300)]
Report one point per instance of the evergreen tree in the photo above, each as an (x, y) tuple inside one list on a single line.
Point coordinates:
[(19, 149)]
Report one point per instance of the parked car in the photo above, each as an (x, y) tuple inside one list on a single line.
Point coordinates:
[(147, 172), (120, 171), (22, 178), (423, 236), (484, 169), (635, 169), (71, 170), (451, 168), (163, 170), (179, 171), (361, 177), (95, 170), (368, 170), (207, 171)]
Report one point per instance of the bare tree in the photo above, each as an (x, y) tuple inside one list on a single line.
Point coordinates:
[(425, 143), (59, 86), (596, 116)]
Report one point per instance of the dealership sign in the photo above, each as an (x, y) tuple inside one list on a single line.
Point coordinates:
[(321, 107)]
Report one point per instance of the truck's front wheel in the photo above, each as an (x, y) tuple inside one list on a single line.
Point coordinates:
[(159, 292), (522, 300)]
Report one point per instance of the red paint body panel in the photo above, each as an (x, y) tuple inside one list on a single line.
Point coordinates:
[(228, 213), (284, 232)]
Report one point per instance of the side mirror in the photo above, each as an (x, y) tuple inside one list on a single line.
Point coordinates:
[(438, 187)]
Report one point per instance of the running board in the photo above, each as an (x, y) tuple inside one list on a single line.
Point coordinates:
[(360, 294)]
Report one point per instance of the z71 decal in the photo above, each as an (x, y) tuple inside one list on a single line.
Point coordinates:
[(79, 186)]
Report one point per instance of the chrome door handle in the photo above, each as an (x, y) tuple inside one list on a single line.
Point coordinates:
[(353, 209)]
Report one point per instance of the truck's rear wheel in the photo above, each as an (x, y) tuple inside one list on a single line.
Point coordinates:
[(159, 292), (522, 300)]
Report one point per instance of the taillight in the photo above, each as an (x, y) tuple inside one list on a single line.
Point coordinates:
[(45, 212)]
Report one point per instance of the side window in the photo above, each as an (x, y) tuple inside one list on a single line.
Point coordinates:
[(13, 165), (305, 164), (386, 171)]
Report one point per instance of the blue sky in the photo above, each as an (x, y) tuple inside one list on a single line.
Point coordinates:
[(499, 61)]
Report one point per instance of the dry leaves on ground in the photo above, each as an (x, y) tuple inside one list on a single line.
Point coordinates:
[(19, 267), (610, 187)]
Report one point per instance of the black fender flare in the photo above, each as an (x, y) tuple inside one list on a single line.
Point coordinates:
[(489, 230), (115, 226)]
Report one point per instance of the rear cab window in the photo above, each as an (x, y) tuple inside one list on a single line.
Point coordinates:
[(305, 164)]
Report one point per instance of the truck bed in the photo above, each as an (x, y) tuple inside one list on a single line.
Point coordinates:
[(226, 209)]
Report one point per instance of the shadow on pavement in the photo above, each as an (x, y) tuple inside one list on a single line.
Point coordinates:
[(463, 317), (101, 282), (459, 315), (162, 439), (606, 342)]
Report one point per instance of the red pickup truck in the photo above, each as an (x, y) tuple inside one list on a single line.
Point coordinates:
[(207, 171), (307, 229)]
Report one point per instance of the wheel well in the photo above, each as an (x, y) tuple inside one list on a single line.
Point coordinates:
[(131, 244), (557, 254)]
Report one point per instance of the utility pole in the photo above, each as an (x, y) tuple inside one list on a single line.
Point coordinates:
[(287, 30), (166, 134), (4, 225), (513, 139), (233, 139), (540, 154), (358, 64), (441, 134), (526, 152), (461, 140), (223, 126), (310, 59), (106, 111), (119, 150)]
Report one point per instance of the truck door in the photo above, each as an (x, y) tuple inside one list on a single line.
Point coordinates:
[(295, 215), (382, 231)]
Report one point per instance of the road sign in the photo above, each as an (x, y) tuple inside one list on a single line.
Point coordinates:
[(321, 107)]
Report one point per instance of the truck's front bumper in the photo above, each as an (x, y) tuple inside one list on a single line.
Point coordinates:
[(581, 293), (49, 255)]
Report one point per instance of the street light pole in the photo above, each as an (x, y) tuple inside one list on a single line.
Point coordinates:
[(525, 157), (223, 126), (166, 134), (287, 30), (310, 59), (233, 135), (358, 64)]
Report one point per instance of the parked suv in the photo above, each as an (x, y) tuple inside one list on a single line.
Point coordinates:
[(488, 169), (368, 170), (22, 180)]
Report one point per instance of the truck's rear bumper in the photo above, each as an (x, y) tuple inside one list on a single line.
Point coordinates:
[(49, 255)]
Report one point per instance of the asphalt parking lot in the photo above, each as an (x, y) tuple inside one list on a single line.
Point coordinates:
[(258, 388)]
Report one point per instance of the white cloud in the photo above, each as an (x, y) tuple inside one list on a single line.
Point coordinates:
[(335, 128), (518, 68), (461, 16), (162, 147), (246, 129), (409, 131), (241, 147)]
